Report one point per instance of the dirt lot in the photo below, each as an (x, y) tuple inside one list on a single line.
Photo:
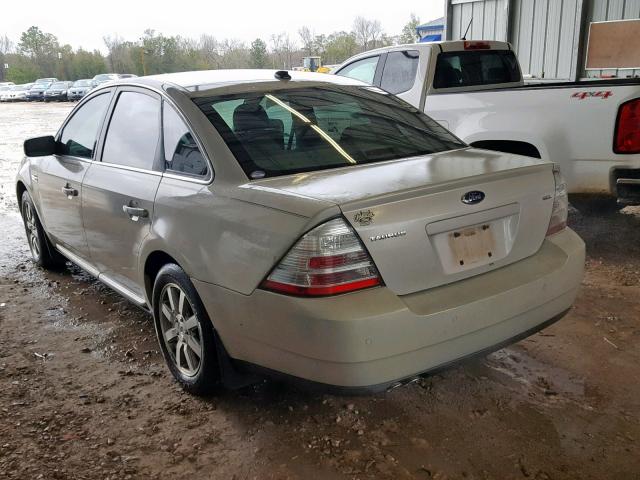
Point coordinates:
[(84, 393)]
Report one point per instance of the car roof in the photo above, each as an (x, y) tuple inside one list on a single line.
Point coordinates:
[(201, 81)]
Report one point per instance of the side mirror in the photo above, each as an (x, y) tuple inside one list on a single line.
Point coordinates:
[(40, 146)]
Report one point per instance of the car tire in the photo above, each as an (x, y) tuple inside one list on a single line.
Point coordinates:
[(184, 329), (42, 251)]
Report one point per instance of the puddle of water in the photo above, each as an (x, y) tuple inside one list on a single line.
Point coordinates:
[(550, 384), (19, 121)]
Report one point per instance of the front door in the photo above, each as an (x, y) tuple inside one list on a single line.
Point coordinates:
[(119, 191), (60, 176)]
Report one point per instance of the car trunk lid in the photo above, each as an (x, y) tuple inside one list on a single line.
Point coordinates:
[(437, 219)]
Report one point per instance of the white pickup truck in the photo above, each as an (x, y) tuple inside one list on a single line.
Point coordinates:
[(476, 90)]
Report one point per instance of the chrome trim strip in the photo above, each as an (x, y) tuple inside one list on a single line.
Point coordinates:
[(90, 269), (186, 178), (628, 181), (124, 291), (83, 264), (127, 167)]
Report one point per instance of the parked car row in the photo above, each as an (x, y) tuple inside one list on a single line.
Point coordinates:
[(52, 89)]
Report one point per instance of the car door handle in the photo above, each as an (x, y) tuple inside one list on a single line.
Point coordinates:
[(135, 213), (70, 192)]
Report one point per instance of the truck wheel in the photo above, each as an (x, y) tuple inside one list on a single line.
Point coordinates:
[(42, 251), (185, 332), (595, 204)]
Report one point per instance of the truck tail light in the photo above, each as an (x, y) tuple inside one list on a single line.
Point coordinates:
[(474, 45), (326, 261), (627, 136), (560, 210)]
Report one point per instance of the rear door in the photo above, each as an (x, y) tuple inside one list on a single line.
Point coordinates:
[(59, 178), (119, 191)]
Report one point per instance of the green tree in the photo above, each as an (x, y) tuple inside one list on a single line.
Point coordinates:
[(339, 47), (409, 34), (35, 43), (21, 69), (87, 64), (42, 48), (258, 56)]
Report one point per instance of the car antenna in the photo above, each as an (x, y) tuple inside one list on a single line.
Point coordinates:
[(464, 37), (282, 75)]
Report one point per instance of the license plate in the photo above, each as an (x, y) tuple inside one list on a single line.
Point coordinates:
[(472, 245)]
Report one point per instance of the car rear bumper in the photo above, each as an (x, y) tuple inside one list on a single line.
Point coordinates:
[(374, 338)]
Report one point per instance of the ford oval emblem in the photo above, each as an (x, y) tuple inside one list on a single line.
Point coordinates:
[(473, 197)]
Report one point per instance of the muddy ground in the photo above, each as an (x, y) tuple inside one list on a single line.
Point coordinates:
[(84, 393)]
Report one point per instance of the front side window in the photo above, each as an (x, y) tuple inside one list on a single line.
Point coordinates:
[(181, 152), (313, 128), (399, 71), (80, 134), (473, 68), (134, 131), (363, 70)]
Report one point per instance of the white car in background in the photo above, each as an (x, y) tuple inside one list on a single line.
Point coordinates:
[(104, 78), (17, 93), (4, 90)]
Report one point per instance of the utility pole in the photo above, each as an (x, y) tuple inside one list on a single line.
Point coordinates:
[(144, 65)]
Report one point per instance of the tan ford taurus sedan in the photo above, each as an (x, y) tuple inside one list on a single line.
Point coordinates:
[(301, 225)]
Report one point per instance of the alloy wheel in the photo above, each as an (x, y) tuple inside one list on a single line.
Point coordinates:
[(181, 330), (32, 230)]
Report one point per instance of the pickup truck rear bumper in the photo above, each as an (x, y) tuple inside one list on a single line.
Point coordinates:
[(373, 338)]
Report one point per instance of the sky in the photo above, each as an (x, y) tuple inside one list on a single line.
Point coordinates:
[(84, 24)]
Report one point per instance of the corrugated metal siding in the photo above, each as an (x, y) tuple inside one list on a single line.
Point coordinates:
[(489, 19), (544, 34), (607, 10)]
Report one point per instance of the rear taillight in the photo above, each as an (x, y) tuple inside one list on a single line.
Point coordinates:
[(627, 139), (326, 261), (560, 210)]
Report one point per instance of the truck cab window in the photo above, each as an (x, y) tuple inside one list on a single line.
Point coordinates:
[(473, 68)]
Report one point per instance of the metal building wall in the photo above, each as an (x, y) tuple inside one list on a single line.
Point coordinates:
[(546, 37), (489, 19), (549, 36)]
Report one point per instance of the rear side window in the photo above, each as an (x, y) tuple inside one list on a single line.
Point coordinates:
[(181, 152), (363, 70), (399, 71), (466, 69), (80, 134), (134, 131)]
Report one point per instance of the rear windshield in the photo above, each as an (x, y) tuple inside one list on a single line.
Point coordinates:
[(313, 128), (472, 68)]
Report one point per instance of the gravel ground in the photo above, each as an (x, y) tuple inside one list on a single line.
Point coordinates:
[(84, 393)]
